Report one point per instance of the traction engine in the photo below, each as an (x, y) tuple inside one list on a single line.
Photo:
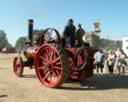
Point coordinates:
[(53, 62)]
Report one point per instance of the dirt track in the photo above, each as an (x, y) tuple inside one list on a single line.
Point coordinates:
[(29, 89)]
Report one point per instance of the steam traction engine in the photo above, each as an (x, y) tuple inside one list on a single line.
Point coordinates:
[(53, 62)]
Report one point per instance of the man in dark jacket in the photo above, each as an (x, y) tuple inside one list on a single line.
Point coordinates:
[(79, 34), (69, 34)]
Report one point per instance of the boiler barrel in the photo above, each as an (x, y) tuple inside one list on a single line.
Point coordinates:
[(31, 52)]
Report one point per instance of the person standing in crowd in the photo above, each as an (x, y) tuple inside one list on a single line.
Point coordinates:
[(111, 58), (118, 53), (99, 61), (79, 34), (120, 61), (69, 34)]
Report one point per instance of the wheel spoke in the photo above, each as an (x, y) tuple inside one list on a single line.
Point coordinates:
[(44, 60), (54, 55), (57, 73), (47, 57), (47, 54), (47, 50), (51, 55), (56, 60), (58, 63), (58, 68), (42, 67), (47, 74)]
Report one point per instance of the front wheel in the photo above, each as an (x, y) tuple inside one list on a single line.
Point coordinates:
[(18, 66)]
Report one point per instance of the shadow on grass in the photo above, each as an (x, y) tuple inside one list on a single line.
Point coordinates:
[(104, 82), (2, 96), (29, 76)]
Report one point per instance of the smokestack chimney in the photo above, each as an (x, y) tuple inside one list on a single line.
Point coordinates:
[(30, 29)]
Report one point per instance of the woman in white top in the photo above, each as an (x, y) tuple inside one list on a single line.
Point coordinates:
[(111, 61)]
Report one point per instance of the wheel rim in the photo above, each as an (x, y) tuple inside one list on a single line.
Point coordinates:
[(48, 66), (17, 65)]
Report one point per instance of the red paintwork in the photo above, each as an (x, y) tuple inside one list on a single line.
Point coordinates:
[(74, 72)]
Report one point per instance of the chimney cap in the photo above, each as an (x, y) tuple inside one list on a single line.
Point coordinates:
[(30, 21)]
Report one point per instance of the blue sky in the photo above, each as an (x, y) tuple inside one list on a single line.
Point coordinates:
[(112, 14)]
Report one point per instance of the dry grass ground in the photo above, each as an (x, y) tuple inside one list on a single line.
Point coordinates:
[(29, 89)]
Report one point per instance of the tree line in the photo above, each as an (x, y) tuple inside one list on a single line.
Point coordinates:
[(3, 40), (20, 43)]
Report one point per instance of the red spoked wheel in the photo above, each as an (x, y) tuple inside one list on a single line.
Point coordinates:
[(18, 66), (80, 58), (50, 65)]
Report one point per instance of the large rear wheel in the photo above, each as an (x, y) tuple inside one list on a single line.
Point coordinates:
[(51, 65)]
